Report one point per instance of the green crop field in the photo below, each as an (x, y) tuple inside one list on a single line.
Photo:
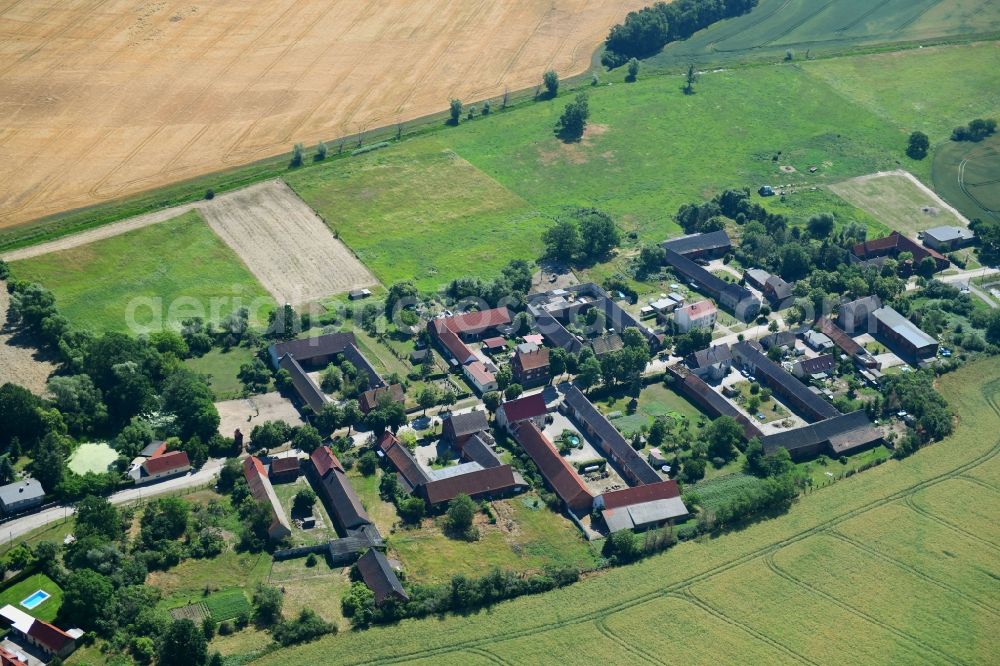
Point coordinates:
[(965, 175), (785, 589), (150, 277), (227, 604), (824, 27)]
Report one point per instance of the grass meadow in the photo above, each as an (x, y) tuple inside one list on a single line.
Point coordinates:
[(154, 276), (222, 367), (466, 200), (785, 589), (538, 538)]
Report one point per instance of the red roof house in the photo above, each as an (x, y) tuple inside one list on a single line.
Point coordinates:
[(558, 473), (171, 463), (527, 407), (262, 491)]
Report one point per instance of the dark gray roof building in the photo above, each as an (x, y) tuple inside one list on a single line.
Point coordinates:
[(853, 315), (478, 449), (380, 578), (842, 434), (713, 242), (714, 404), (21, 495), (733, 297), (779, 340), (810, 406), (304, 385), (609, 439)]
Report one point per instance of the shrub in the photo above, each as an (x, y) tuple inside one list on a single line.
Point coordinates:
[(370, 147), (210, 194), (298, 150)]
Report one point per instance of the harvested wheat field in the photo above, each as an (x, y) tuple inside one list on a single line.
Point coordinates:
[(100, 99), (285, 244)]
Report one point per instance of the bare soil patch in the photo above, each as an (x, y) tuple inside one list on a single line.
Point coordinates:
[(98, 102), (20, 362), (285, 244), (245, 413), (575, 152)]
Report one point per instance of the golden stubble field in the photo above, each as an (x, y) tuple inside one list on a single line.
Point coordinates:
[(103, 98)]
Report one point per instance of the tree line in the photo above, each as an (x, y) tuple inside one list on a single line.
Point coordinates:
[(645, 32)]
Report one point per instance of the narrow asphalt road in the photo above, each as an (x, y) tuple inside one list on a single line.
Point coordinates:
[(18, 527)]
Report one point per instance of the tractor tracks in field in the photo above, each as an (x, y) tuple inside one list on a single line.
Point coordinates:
[(602, 626), (681, 589), (857, 612), (912, 570), (489, 656), (911, 504), (687, 595)]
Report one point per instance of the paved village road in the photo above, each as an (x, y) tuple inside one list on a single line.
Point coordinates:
[(20, 526)]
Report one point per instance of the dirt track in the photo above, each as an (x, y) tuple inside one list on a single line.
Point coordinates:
[(287, 247), (102, 98)]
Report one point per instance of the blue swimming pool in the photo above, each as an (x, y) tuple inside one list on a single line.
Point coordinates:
[(36, 598)]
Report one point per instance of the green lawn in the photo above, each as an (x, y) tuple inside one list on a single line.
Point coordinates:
[(540, 538), (654, 400), (92, 458), (222, 368), (803, 204), (421, 212), (382, 513), (186, 583), (147, 279), (771, 410), (286, 494), (47, 610)]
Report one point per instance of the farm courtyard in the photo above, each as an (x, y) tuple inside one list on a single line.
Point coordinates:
[(882, 555)]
